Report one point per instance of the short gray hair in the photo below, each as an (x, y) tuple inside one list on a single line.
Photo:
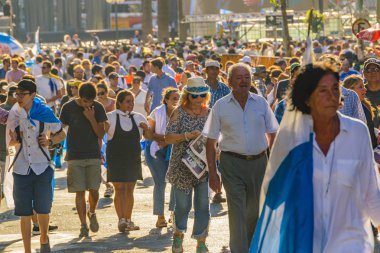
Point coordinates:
[(236, 66)]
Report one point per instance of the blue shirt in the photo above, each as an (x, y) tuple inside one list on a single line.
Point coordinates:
[(352, 106), (221, 91), (156, 85), (2, 73), (343, 75), (280, 110)]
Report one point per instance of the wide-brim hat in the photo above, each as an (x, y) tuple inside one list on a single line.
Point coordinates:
[(196, 86), (371, 61)]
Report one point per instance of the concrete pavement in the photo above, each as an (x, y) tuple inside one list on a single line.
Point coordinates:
[(108, 239)]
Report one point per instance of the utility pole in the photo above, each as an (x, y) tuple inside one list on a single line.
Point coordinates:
[(359, 7)]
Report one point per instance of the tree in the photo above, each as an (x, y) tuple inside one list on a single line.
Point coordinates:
[(147, 18), (285, 27), (163, 19)]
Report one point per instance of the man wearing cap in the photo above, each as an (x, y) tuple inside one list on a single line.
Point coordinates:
[(157, 84), (217, 88), (30, 125), (244, 126), (48, 85), (247, 60), (372, 75), (190, 66)]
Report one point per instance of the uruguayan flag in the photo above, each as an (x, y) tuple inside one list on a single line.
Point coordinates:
[(10, 45), (286, 201)]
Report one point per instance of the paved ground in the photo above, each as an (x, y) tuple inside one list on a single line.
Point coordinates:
[(108, 239)]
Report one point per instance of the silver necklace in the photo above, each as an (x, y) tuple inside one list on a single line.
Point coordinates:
[(331, 167)]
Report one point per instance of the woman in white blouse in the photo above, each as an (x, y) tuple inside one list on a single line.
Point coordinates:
[(139, 93), (341, 180), (124, 155)]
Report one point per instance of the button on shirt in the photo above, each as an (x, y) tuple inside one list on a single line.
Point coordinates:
[(156, 86), (346, 192), (31, 155), (241, 131)]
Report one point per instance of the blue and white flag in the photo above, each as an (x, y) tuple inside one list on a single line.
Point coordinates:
[(36, 48), (287, 219), (9, 45)]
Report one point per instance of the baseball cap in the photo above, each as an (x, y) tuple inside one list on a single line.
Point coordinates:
[(246, 59), (371, 61), (212, 63), (294, 66), (27, 85)]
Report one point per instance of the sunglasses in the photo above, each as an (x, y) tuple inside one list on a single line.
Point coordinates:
[(194, 96), (101, 93)]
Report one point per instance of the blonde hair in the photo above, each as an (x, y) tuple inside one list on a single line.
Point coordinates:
[(184, 99)]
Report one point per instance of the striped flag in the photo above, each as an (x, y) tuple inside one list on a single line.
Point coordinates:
[(286, 221)]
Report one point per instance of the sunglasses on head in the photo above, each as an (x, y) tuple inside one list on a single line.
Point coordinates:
[(371, 70), (194, 96), (101, 93)]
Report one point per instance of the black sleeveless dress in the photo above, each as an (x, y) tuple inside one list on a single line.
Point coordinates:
[(124, 154)]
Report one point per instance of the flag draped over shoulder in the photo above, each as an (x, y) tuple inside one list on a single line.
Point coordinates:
[(286, 202), (41, 112)]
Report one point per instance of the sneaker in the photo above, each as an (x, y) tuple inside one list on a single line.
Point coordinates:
[(94, 225), (45, 248), (109, 191), (218, 198), (177, 244), (202, 248), (36, 229), (122, 225), (131, 226), (84, 231)]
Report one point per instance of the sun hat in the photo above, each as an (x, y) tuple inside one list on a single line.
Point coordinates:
[(196, 86)]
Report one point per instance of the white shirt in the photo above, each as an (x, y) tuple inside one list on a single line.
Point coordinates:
[(139, 103), (168, 70), (36, 69), (144, 85), (125, 122), (241, 131), (43, 87), (31, 155), (343, 208)]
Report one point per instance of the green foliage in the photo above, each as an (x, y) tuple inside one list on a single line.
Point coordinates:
[(275, 3), (317, 20)]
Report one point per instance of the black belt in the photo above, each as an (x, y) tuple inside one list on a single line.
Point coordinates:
[(245, 157)]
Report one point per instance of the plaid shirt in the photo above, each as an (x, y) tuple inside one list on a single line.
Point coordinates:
[(352, 106), (221, 91)]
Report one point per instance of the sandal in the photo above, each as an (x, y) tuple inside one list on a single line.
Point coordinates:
[(161, 223)]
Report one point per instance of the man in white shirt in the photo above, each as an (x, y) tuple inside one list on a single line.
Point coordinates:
[(245, 127), (32, 169), (48, 86), (36, 68)]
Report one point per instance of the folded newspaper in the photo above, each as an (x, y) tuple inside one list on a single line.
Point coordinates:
[(195, 156)]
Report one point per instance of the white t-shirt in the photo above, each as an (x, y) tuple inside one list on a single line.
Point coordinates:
[(43, 87), (125, 122)]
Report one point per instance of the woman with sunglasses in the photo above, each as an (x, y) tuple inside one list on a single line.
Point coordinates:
[(139, 93), (103, 98), (157, 153), (186, 124)]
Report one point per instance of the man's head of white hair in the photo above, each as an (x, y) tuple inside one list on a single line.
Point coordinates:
[(236, 66)]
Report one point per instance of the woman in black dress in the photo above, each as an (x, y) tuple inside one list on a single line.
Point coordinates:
[(124, 156)]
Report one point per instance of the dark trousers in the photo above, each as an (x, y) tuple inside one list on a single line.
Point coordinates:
[(242, 181)]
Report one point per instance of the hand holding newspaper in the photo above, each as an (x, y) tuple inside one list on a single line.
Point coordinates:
[(195, 157)]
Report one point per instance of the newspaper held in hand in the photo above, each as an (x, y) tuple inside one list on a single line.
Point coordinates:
[(195, 156)]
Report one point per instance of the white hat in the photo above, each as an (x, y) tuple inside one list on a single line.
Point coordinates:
[(212, 63), (246, 59), (188, 63), (196, 85)]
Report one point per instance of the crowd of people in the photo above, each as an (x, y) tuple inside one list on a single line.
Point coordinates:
[(101, 101)]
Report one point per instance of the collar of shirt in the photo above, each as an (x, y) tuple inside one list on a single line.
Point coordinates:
[(163, 75), (125, 114), (231, 97)]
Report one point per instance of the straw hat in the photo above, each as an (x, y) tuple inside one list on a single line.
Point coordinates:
[(196, 85)]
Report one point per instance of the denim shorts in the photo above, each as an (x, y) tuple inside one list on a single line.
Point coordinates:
[(33, 192)]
